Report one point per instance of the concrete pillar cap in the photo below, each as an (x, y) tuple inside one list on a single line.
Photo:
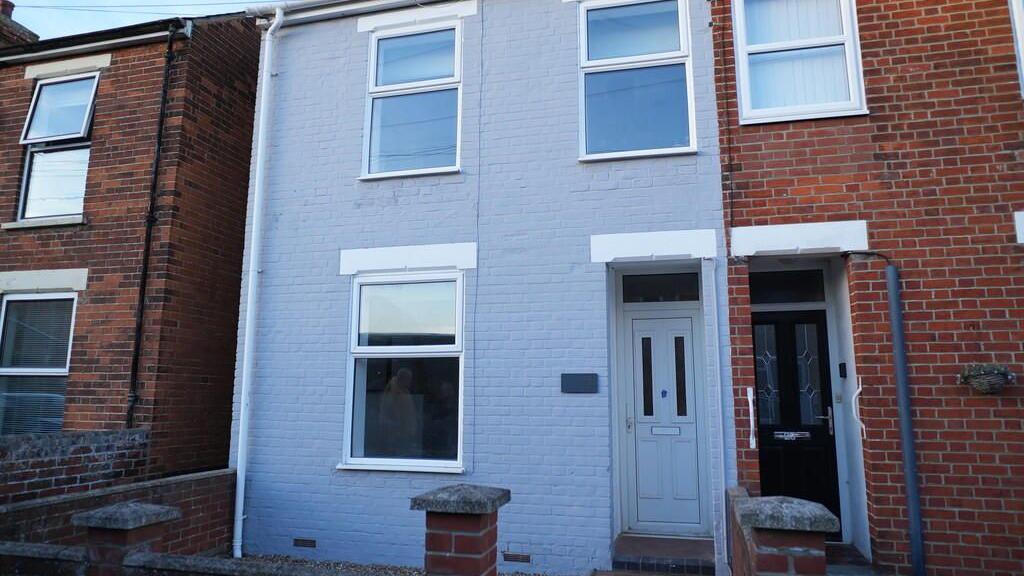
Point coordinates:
[(126, 516), (462, 499)]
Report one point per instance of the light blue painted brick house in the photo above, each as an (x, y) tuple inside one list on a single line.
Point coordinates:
[(461, 203)]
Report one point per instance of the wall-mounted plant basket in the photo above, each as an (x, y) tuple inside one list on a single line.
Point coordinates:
[(987, 378)]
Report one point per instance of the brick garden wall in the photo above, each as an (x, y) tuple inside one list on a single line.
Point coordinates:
[(42, 465), (937, 170), (206, 500)]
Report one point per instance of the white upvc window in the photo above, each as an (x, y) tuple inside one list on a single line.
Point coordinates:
[(404, 409), (56, 136), (797, 60), (35, 355), (1017, 14), (636, 79), (413, 114)]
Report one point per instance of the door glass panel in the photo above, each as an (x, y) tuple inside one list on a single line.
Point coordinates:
[(787, 287), (766, 374), (660, 288), (808, 373), (648, 375), (680, 376)]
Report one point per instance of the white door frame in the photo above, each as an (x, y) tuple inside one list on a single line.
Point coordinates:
[(829, 306), (622, 384)]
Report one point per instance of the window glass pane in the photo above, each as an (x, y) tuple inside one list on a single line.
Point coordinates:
[(413, 314), (798, 77), (406, 408), (61, 108), (36, 333), (680, 349), (660, 288), (417, 57), (647, 372), (784, 20), (637, 109), (787, 287), (808, 374), (31, 404), (766, 374), (414, 131), (56, 183), (633, 30)]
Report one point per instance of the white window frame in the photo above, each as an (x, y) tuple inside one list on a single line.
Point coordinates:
[(435, 85), (587, 66), (26, 179), (86, 121), (357, 352), (5, 299), (1017, 16), (849, 39)]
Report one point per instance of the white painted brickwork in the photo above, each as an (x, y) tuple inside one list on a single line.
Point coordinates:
[(536, 306)]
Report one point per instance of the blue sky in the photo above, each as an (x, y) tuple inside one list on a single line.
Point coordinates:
[(51, 18)]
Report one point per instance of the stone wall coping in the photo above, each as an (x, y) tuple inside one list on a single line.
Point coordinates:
[(126, 516), (104, 492), (43, 445), (785, 513), (44, 551), (168, 564), (462, 499)]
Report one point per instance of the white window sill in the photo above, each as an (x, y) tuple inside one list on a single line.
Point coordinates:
[(586, 158), (437, 469), (43, 222), (410, 173), (804, 116)]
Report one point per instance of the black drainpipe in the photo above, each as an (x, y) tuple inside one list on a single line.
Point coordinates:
[(154, 186), (899, 353)]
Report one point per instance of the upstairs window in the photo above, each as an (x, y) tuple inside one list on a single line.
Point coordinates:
[(407, 372), (35, 348), (414, 101), (636, 79), (797, 59), (57, 157)]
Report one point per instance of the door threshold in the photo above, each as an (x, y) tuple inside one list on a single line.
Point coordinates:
[(663, 554)]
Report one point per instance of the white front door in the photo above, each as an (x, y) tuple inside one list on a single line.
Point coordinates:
[(663, 436)]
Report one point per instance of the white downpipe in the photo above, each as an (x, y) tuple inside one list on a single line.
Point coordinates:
[(252, 285)]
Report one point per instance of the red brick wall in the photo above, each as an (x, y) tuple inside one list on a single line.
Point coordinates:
[(109, 244), (206, 501), (197, 258), (191, 307), (937, 170)]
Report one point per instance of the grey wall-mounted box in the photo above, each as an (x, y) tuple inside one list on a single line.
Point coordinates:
[(579, 383)]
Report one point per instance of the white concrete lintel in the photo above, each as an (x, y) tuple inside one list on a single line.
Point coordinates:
[(460, 256), (648, 246), (44, 280), (68, 67), (807, 238), (418, 15)]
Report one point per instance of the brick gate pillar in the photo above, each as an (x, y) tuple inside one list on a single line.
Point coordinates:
[(115, 531), (462, 529)]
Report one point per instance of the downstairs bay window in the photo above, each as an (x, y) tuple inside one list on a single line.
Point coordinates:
[(405, 402), (35, 349)]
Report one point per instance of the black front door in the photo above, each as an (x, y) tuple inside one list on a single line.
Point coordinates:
[(795, 428)]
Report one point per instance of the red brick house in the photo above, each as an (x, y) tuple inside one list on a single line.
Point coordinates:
[(123, 179), (855, 133)]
